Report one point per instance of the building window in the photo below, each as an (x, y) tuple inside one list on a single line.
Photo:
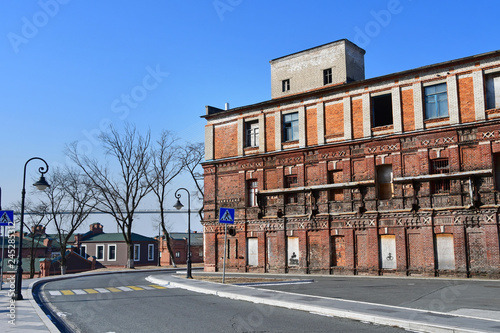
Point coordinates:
[(252, 134), (382, 110), (151, 252), (384, 182), (496, 161), (252, 185), (83, 251), (137, 252), (285, 85), (291, 126), (327, 76), (440, 166), (335, 177), (290, 182), (493, 91), (177, 254), (436, 101), (99, 252), (200, 253), (111, 252)]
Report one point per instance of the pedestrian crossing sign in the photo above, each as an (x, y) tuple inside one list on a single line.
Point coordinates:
[(6, 217), (226, 215)]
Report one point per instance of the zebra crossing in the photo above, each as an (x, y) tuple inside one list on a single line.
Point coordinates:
[(86, 291)]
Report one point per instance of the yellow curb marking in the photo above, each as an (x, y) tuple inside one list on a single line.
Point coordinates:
[(67, 292), (157, 286)]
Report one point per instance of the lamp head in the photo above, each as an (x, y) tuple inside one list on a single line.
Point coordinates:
[(178, 205), (41, 184)]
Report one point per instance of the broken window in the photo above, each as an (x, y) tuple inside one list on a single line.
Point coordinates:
[(384, 182), (493, 91), (252, 186), (440, 166), (290, 182), (382, 110)]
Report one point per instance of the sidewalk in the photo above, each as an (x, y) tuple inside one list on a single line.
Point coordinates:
[(407, 318), (23, 316)]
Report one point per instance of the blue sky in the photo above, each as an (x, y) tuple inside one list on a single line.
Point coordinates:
[(69, 67)]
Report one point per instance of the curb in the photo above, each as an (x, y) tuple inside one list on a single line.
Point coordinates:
[(333, 312), (44, 317)]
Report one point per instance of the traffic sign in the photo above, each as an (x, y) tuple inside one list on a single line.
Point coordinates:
[(6, 217), (226, 215)]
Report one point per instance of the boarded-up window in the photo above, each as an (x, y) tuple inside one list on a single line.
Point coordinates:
[(293, 251), (445, 255), (335, 177), (252, 252), (493, 91), (384, 181), (388, 252), (314, 249), (338, 251)]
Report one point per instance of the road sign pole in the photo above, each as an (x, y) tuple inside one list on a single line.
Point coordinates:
[(225, 255), (1, 266)]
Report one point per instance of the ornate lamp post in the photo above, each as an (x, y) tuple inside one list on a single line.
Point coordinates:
[(41, 184), (178, 205)]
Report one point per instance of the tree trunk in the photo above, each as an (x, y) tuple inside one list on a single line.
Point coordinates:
[(169, 247), (63, 269), (130, 261)]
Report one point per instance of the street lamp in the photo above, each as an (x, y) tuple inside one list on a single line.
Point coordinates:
[(41, 184), (178, 205)]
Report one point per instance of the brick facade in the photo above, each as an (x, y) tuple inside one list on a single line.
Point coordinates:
[(416, 196)]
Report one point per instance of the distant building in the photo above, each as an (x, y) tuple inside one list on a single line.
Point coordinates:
[(338, 174), (110, 249), (179, 243)]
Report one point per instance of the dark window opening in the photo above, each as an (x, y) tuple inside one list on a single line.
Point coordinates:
[(440, 166), (327, 76), (290, 182), (382, 110), (285, 85)]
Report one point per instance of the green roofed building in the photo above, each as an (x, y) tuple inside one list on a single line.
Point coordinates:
[(110, 249)]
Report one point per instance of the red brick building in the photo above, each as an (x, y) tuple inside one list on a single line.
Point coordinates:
[(179, 245), (398, 174)]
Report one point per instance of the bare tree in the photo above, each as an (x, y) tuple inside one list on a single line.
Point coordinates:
[(119, 196), (165, 166), (192, 155), (36, 220), (69, 200)]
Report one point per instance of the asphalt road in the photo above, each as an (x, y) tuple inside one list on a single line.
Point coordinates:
[(434, 294), (136, 306)]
